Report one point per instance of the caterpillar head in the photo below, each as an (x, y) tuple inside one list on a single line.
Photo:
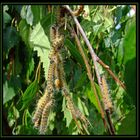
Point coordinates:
[(56, 38)]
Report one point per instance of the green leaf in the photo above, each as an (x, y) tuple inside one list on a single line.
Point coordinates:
[(27, 14), (24, 30), (67, 114), (130, 79), (38, 13), (128, 126), (81, 80), (130, 41), (120, 52), (51, 120), (31, 67), (8, 92), (91, 96), (10, 88), (75, 53), (10, 38), (130, 58), (29, 94), (6, 17), (41, 44), (82, 107), (47, 22)]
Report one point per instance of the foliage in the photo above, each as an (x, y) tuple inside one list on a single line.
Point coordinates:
[(26, 43)]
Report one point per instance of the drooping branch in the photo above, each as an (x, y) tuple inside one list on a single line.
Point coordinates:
[(95, 58), (89, 73)]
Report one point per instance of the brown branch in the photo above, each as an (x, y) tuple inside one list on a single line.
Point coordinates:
[(111, 73), (110, 122), (95, 58), (90, 76)]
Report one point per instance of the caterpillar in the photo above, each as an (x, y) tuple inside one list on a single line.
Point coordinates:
[(56, 38), (61, 72), (106, 99), (45, 114), (60, 16), (40, 106), (50, 78), (82, 117), (76, 113)]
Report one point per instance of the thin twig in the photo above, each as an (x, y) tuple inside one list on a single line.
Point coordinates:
[(111, 73), (95, 58), (90, 76), (37, 76), (110, 122)]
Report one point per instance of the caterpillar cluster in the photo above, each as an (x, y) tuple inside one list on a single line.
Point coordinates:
[(44, 105), (55, 82), (46, 102), (106, 99)]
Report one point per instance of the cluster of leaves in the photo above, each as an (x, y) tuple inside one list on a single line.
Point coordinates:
[(26, 44)]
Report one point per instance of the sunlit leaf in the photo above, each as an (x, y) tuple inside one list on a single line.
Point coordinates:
[(27, 14), (67, 114), (38, 13), (82, 107), (41, 44), (8, 92)]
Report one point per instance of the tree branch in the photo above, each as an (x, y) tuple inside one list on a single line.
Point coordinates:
[(95, 58), (90, 76)]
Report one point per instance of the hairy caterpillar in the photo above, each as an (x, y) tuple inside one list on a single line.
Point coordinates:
[(60, 16), (106, 98), (45, 114), (56, 38), (50, 87), (40, 106), (82, 117)]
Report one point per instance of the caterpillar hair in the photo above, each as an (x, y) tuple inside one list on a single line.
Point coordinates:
[(57, 81), (50, 78), (36, 123), (40, 106), (82, 117), (56, 38), (60, 16), (62, 72), (70, 104), (75, 111), (106, 99), (45, 114)]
